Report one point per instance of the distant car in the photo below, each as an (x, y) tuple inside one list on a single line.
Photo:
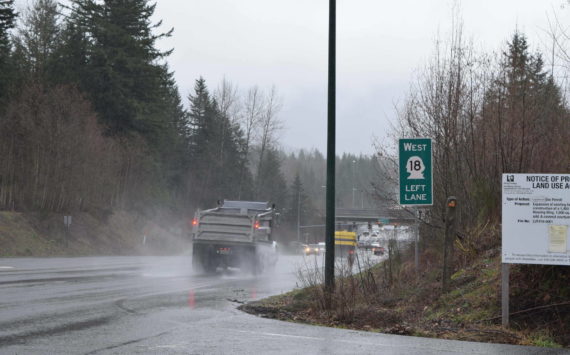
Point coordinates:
[(297, 247), (364, 243), (377, 249), (313, 249)]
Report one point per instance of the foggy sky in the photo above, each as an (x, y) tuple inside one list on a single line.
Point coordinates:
[(380, 45)]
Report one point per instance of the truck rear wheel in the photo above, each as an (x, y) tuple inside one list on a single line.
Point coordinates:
[(204, 259), (210, 260), (197, 257), (252, 263)]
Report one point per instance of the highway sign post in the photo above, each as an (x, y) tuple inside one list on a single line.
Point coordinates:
[(416, 181)]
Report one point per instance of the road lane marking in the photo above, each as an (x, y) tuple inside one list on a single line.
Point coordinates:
[(183, 345), (6, 267), (391, 344), (279, 335)]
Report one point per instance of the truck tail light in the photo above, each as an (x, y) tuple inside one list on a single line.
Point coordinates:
[(256, 225), (194, 222)]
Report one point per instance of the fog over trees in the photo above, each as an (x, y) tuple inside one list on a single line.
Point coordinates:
[(91, 120)]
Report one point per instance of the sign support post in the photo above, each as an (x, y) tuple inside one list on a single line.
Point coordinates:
[(505, 294), (416, 248), (450, 231)]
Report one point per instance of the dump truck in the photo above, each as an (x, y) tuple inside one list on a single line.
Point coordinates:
[(235, 234)]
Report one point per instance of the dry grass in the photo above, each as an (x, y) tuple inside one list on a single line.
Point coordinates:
[(391, 297), (120, 233)]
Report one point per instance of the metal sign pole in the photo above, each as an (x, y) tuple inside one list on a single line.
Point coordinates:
[(450, 232), (417, 258), (331, 154), (299, 215), (505, 294)]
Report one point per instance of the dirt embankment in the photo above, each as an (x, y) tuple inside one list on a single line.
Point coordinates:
[(116, 233)]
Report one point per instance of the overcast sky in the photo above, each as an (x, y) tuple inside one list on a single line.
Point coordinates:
[(380, 44)]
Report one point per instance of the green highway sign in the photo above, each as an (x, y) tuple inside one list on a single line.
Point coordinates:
[(416, 187)]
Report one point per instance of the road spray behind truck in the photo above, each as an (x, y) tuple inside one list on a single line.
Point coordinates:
[(235, 234)]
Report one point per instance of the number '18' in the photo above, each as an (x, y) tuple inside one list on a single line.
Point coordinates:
[(415, 165)]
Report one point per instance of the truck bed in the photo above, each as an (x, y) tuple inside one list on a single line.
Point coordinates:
[(218, 226)]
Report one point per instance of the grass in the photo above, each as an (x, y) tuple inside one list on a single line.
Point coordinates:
[(119, 233), (19, 238), (414, 304), (543, 341)]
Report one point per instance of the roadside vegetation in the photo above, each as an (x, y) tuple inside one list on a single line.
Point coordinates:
[(392, 298), (488, 114)]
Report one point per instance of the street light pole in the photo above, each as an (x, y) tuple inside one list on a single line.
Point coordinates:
[(331, 154), (353, 165), (299, 215)]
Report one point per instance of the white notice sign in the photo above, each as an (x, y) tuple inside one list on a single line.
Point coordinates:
[(536, 216)]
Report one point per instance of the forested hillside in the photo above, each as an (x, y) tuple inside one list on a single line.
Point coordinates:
[(92, 121)]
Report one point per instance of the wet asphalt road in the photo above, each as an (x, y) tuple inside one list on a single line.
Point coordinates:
[(156, 305)]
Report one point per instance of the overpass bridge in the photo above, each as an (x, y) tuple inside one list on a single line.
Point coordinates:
[(384, 215), (345, 218)]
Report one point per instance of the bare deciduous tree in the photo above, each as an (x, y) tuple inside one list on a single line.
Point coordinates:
[(56, 156), (250, 119), (269, 126), (38, 35)]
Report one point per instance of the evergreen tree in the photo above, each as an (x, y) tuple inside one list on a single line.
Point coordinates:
[(7, 18), (271, 184), (123, 74), (299, 209), (109, 50), (216, 149), (70, 59), (201, 116), (520, 114), (174, 143), (37, 39)]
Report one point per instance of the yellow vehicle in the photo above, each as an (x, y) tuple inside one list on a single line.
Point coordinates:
[(345, 245)]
